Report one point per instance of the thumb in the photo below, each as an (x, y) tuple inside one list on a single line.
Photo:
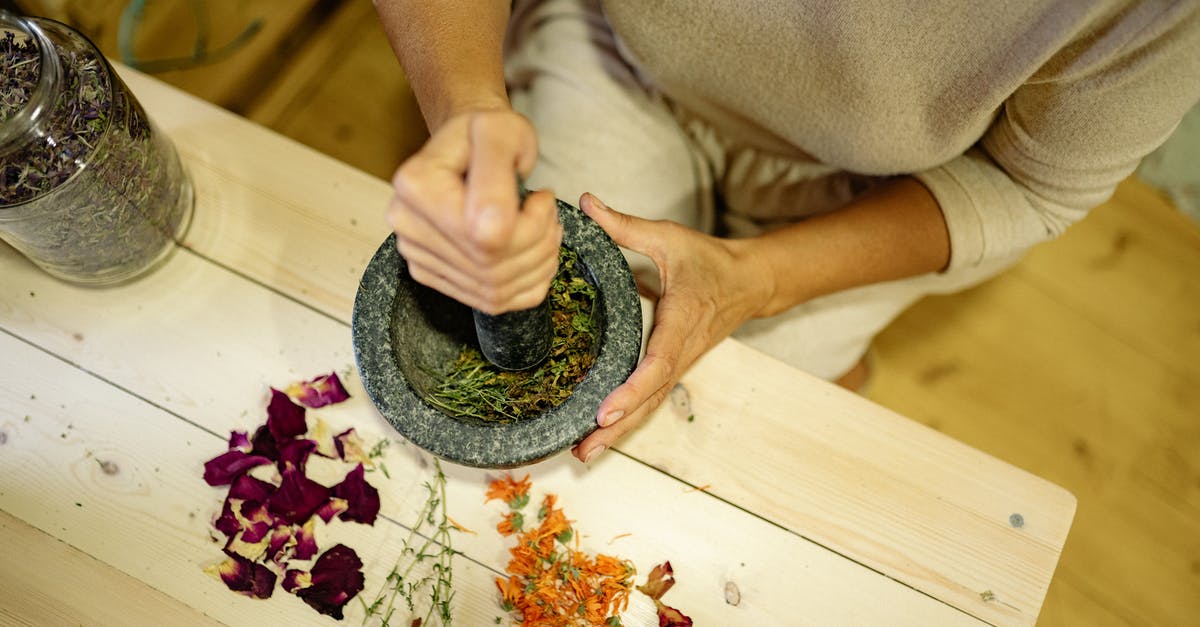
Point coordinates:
[(627, 231)]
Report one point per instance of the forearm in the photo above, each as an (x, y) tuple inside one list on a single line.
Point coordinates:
[(893, 232), (451, 52)]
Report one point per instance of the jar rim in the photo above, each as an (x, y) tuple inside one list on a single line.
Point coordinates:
[(41, 99)]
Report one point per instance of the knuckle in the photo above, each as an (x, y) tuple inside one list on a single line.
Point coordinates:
[(490, 299), (407, 176)]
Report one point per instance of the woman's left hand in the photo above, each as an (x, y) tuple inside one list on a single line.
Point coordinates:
[(710, 286)]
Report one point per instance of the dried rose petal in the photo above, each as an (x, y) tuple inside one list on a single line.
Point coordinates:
[(335, 578), (285, 419), (281, 544), (224, 468), (350, 447), (671, 617), (660, 579), (319, 392), (227, 523), (332, 508), (297, 497), (240, 441), (246, 491), (256, 521), (253, 551), (264, 444), (294, 580), (242, 575), (247, 488), (362, 498), (306, 540), (294, 454)]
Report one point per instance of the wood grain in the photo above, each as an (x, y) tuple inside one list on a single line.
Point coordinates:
[(44, 581)]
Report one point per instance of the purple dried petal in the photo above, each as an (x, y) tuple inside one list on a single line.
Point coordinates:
[(279, 547), (227, 523), (671, 617), (256, 521), (294, 580), (306, 541), (297, 497), (285, 419), (336, 578), (332, 508), (319, 392), (362, 498), (247, 488), (350, 447), (242, 575), (264, 444), (294, 454), (224, 468), (240, 441), (252, 551)]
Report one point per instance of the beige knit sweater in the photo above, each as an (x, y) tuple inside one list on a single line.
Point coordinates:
[(1019, 116)]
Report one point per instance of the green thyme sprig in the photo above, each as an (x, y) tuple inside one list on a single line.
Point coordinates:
[(428, 545)]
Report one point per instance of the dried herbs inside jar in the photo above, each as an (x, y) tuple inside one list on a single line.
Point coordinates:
[(473, 387), (88, 190)]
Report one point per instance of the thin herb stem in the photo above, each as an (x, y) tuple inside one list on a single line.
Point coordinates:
[(397, 586)]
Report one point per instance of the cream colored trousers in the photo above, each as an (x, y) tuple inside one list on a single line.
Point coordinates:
[(603, 128)]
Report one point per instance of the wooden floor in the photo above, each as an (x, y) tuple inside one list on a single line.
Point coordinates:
[(1081, 365)]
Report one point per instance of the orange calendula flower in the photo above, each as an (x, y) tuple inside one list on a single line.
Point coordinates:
[(551, 582), (509, 490), (510, 524)]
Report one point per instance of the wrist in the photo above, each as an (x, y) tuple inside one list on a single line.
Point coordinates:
[(760, 277), (457, 105)]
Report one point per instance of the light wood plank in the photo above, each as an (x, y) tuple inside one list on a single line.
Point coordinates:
[(307, 236), (233, 338), (44, 582)]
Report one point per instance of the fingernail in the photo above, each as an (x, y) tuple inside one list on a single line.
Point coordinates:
[(611, 417), (593, 453), (598, 202)]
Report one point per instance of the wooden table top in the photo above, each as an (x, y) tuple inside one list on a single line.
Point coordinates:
[(817, 505)]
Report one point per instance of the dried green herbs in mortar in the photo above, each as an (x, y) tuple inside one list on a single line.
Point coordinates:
[(473, 387), (93, 194)]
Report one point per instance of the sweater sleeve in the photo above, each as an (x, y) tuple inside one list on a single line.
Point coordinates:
[(1062, 142)]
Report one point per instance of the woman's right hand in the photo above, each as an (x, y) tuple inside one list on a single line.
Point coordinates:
[(458, 219)]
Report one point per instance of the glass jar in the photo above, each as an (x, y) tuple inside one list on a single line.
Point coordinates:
[(90, 190)]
